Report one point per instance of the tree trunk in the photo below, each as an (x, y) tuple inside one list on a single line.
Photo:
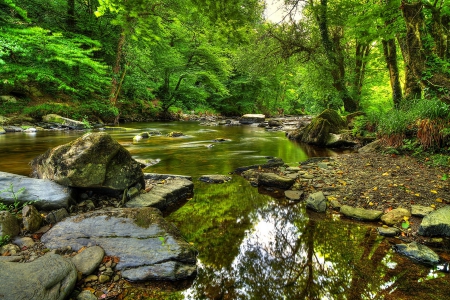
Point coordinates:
[(424, 63), (412, 89), (116, 71), (390, 55), (335, 58), (71, 15)]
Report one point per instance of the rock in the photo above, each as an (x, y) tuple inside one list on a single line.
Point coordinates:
[(339, 140), (54, 118), (418, 252), (2, 131), (56, 215), (318, 131), (421, 211), (390, 231), (271, 163), (317, 202), (8, 98), (156, 176), (215, 178), (86, 295), (252, 118), (24, 242), (220, 140), (374, 147), (395, 216), (44, 194), (9, 225), (293, 195), (140, 136), (11, 249), (360, 213), (88, 260), (436, 223), (162, 196), (94, 160), (175, 134), (48, 277), (274, 180), (275, 123), (148, 247), (32, 219), (103, 278)]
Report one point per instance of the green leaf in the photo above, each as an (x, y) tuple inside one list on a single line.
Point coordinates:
[(444, 177), (405, 225)]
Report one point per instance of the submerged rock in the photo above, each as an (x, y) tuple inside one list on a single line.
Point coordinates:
[(94, 160), (49, 277), (418, 252), (148, 247), (215, 178)]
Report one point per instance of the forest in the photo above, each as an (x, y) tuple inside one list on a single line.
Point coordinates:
[(145, 59)]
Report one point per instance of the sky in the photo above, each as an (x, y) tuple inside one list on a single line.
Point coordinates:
[(274, 10)]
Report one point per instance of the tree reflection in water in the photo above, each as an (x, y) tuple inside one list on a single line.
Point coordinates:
[(290, 254)]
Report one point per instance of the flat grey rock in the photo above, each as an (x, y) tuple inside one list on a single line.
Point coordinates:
[(48, 194), (274, 180), (49, 277), (317, 202), (147, 246), (420, 210), (436, 223), (215, 178), (293, 195), (162, 196)]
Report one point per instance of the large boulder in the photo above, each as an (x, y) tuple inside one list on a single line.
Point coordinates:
[(44, 194), (319, 131), (148, 247), (163, 196), (94, 160), (436, 223), (49, 277)]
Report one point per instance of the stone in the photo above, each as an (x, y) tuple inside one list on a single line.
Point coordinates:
[(86, 295), (373, 147), (9, 225), (317, 202), (271, 163), (24, 242), (88, 260), (56, 215), (103, 278), (418, 252), (395, 216), (339, 141), (125, 233), (175, 134), (360, 213), (215, 178), (11, 249), (157, 176), (390, 231), (293, 195), (44, 194), (436, 223), (162, 196), (274, 180), (31, 218), (48, 277), (54, 118), (421, 211), (252, 118), (94, 160), (2, 130)]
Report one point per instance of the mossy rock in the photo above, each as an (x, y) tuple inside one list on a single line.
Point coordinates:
[(336, 121)]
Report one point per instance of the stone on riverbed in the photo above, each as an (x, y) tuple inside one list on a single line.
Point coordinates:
[(360, 213), (418, 252), (395, 216), (9, 224), (274, 180), (53, 118), (162, 196), (420, 210), (317, 202), (436, 223), (94, 160), (389, 231), (148, 247), (45, 194), (215, 178), (88, 260), (48, 277), (252, 118)]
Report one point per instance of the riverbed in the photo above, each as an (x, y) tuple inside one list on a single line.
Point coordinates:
[(252, 245)]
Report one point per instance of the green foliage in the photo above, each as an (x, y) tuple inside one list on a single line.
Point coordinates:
[(4, 239), (17, 206)]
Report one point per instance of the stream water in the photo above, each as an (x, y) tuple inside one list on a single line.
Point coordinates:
[(251, 245)]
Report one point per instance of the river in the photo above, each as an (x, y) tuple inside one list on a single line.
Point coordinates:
[(253, 246)]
